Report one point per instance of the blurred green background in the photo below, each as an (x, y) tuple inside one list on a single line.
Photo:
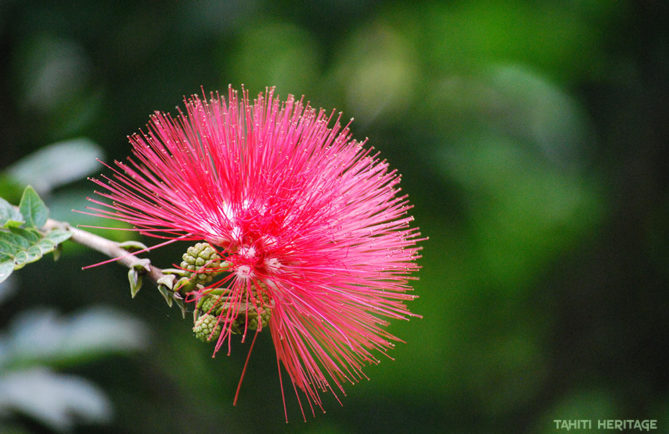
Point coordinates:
[(533, 141)]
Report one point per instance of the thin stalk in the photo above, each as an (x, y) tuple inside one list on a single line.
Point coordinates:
[(106, 247)]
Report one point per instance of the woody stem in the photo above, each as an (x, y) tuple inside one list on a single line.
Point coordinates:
[(103, 245)]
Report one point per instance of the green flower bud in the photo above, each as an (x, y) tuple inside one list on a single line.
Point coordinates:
[(249, 318), (201, 263), (211, 305), (204, 326), (253, 313)]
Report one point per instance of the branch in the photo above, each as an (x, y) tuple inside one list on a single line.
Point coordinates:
[(112, 249), (106, 247)]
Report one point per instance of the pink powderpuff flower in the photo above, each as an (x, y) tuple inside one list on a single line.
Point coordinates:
[(306, 217)]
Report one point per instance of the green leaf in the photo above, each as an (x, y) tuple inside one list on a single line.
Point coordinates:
[(34, 253), (42, 337), (9, 215), (22, 258), (58, 235), (6, 249), (45, 245), (23, 246), (59, 400), (11, 243), (33, 209), (6, 268), (32, 235), (57, 164)]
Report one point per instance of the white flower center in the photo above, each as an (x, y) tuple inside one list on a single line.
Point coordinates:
[(244, 272), (272, 264), (248, 252)]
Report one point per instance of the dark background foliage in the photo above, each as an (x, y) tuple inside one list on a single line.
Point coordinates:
[(532, 138)]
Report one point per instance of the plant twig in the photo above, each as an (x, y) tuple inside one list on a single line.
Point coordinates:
[(106, 247)]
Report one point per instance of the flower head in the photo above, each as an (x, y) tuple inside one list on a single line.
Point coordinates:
[(311, 228)]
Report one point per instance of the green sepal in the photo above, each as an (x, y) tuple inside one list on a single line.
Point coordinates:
[(167, 295), (57, 252), (183, 285), (135, 279), (174, 271), (143, 265), (179, 301), (167, 281), (132, 245)]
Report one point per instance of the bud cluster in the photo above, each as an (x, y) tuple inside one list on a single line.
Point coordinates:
[(248, 319), (207, 328), (201, 263), (251, 315), (210, 304)]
